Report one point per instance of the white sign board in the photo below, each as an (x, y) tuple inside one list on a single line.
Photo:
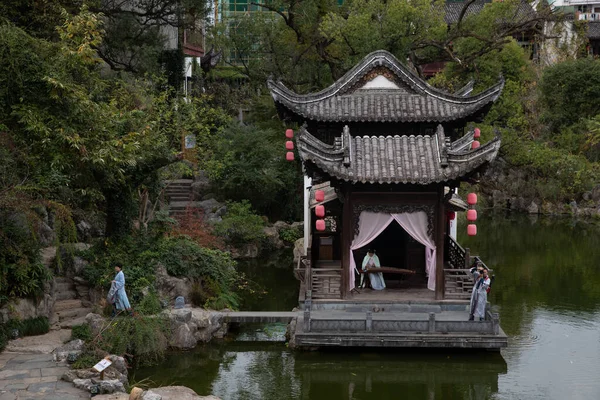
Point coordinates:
[(102, 365)]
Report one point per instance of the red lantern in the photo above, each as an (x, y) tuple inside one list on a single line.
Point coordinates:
[(289, 156), (451, 215), (320, 225), (472, 199), (289, 145), (475, 145), (477, 133), (289, 133), (471, 229), (319, 195), (320, 211), (471, 215)]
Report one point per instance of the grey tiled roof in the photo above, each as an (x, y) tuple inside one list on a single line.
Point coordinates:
[(413, 101), (454, 8), (593, 30), (393, 159)]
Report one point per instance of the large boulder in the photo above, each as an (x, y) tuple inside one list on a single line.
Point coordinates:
[(104, 386), (174, 393), (84, 231), (29, 308), (272, 236), (110, 373), (96, 322), (298, 250), (201, 185), (74, 347), (533, 208), (45, 235), (209, 206), (171, 287), (183, 337)]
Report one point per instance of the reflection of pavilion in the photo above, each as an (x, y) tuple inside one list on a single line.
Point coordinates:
[(383, 146), (404, 377)]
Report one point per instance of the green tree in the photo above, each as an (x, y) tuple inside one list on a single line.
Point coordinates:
[(569, 92), (249, 163)]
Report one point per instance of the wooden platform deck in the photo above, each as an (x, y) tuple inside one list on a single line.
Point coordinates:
[(420, 325)]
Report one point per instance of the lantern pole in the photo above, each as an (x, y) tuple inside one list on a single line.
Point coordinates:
[(307, 187), (454, 223)]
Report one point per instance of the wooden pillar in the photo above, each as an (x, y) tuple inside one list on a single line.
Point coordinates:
[(347, 236), (439, 231)]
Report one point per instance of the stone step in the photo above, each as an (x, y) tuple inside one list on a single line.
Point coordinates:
[(61, 279), (179, 197), (179, 182), (73, 313), (61, 287), (70, 323), (66, 295), (63, 305), (179, 193)]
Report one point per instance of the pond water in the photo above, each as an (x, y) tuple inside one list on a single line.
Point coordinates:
[(547, 292)]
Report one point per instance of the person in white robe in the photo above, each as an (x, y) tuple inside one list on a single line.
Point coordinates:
[(480, 291), (372, 261)]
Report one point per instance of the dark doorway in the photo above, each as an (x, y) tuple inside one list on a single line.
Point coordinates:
[(397, 249)]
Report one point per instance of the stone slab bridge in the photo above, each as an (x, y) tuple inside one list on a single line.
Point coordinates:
[(265, 317)]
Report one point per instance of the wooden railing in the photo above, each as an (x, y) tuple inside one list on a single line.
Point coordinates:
[(458, 280), (457, 271), (456, 256)]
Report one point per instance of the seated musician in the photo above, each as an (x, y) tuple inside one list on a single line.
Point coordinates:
[(372, 261)]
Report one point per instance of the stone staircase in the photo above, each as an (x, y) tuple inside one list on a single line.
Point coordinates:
[(179, 195), (71, 305)]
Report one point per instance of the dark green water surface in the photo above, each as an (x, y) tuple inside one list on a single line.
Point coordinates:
[(547, 292)]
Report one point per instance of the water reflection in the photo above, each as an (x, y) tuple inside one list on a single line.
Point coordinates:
[(242, 370), (547, 292)]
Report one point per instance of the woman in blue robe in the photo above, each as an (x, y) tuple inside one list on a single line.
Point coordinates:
[(120, 300), (372, 261)]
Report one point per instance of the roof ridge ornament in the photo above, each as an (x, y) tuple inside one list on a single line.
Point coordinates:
[(442, 142), (347, 146)]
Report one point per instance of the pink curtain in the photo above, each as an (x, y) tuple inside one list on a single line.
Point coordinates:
[(415, 224), (371, 225)]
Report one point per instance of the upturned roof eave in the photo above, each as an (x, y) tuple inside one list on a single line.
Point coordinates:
[(460, 164)]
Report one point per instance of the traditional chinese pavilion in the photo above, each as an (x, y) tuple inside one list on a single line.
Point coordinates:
[(387, 151)]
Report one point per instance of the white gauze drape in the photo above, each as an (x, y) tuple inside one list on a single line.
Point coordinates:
[(370, 225), (415, 224)]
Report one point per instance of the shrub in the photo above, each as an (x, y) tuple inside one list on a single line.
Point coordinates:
[(142, 338), (150, 304), (240, 225), (213, 271), (291, 234), (34, 326), (85, 360), (83, 332)]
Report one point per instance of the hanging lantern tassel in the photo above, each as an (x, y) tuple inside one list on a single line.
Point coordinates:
[(319, 195), (475, 145), (289, 133), (320, 225), (472, 230), (477, 133), (472, 215), (289, 145), (320, 211), (289, 156), (472, 199)]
